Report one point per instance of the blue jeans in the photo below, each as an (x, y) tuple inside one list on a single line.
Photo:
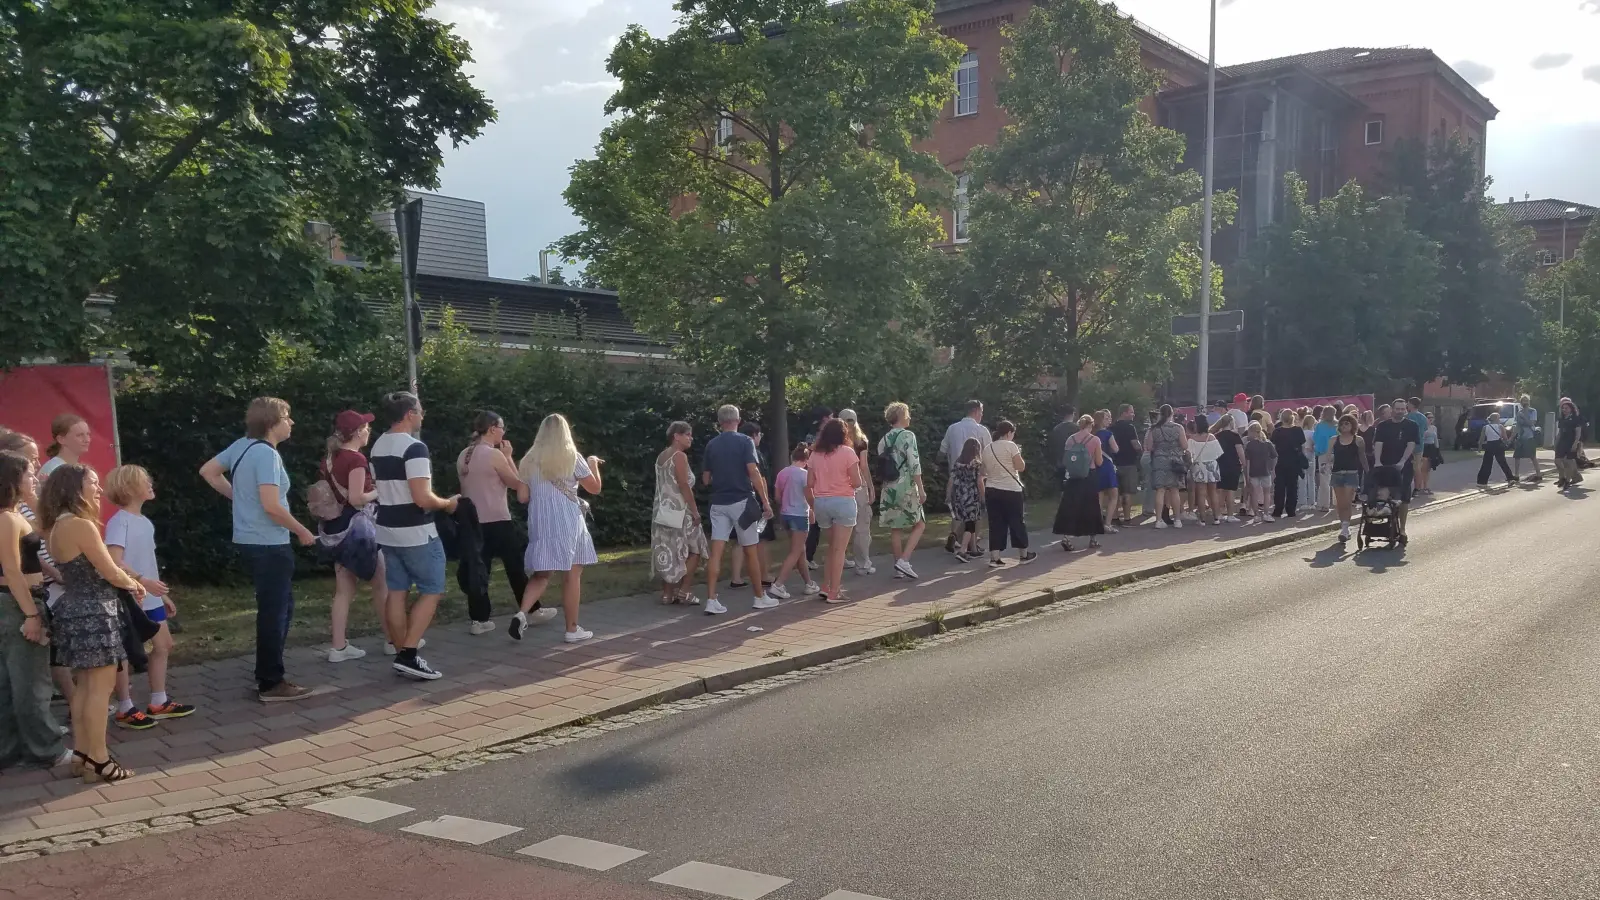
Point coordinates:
[(272, 572)]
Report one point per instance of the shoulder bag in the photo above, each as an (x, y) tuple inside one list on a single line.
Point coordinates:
[(666, 516)]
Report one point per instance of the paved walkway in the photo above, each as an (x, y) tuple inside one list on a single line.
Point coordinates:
[(365, 718)]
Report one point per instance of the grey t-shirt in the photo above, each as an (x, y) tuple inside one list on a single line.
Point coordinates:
[(727, 459)]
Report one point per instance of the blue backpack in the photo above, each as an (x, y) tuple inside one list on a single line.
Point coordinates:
[(1077, 460)]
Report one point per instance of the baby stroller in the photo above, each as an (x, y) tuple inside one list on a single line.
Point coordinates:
[(1379, 524)]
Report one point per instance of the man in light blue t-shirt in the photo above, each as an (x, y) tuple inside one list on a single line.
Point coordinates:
[(250, 473), (1525, 438), (1422, 467)]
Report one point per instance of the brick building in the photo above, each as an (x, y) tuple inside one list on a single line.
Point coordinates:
[(1331, 116), (1558, 226)]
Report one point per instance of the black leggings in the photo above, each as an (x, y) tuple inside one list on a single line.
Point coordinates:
[(812, 536), (1493, 452), (506, 542), (1286, 490), (1005, 520)]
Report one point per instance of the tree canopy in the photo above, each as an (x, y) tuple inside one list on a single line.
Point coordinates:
[(172, 154), (758, 196), (1084, 232), (1577, 343)]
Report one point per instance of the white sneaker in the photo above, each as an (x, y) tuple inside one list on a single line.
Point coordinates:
[(345, 654), (1190, 517), (778, 591), (1162, 523), (813, 565), (849, 564), (390, 649), (812, 589), (1112, 529), (578, 635), (1230, 519), (1268, 519), (481, 627), (765, 602), (904, 568), (714, 607), (1179, 522), (1253, 520), (542, 614), (1344, 533), (866, 570)]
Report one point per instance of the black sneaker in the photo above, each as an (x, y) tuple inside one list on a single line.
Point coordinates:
[(518, 622), (1028, 557), (411, 665)]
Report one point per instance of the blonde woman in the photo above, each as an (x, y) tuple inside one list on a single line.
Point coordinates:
[(902, 509), (861, 539), (558, 534)]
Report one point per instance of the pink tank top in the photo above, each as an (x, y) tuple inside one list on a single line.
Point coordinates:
[(482, 485)]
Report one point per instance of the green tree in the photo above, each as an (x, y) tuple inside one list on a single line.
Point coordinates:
[(1341, 283), (758, 198), (171, 155), (1577, 344), (1480, 322), (1084, 231)]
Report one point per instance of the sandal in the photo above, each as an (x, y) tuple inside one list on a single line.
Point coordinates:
[(109, 771)]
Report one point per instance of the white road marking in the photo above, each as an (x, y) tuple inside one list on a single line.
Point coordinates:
[(360, 809), (575, 851), (721, 880), (466, 831)]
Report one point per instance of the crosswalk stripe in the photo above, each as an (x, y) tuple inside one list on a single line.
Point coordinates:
[(575, 851), (360, 809), (721, 880), (465, 831), (850, 895)]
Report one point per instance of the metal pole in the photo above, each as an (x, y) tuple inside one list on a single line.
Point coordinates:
[(1562, 313), (411, 337), (1205, 233), (407, 222)]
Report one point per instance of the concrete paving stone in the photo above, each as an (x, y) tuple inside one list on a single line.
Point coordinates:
[(461, 830), (721, 881), (75, 801), (575, 851), (238, 788), (432, 729), (191, 767), (290, 747), (384, 742), (293, 776), (334, 738), (67, 817), (338, 752), (390, 754), (342, 766), (127, 807), (191, 795), (361, 809), (293, 761), (240, 773), (435, 744)]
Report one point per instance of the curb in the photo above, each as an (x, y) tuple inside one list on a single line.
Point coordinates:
[(268, 799)]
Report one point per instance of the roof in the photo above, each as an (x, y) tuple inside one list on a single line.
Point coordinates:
[(1546, 210), (1324, 61), (525, 312)]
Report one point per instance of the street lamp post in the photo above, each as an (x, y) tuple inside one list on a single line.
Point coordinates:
[(1205, 233), (1561, 313)]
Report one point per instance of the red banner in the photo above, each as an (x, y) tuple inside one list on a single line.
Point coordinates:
[(32, 396)]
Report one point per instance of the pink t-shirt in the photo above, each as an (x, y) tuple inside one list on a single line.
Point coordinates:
[(830, 473)]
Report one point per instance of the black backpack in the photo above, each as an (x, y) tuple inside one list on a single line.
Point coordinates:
[(888, 469)]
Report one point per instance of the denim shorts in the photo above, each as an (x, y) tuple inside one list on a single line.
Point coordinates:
[(1345, 480), (797, 524), (725, 524), (831, 511), (421, 566)]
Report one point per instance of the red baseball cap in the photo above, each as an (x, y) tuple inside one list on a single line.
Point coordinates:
[(1240, 398), (351, 421)]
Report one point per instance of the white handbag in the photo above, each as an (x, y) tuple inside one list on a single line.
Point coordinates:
[(667, 517)]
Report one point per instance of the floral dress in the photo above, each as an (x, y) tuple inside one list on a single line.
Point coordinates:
[(900, 504), (670, 548), (966, 504)]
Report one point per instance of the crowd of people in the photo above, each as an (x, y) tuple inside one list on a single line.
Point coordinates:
[(83, 608)]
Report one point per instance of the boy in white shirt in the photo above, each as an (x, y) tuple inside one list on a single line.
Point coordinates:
[(131, 539)]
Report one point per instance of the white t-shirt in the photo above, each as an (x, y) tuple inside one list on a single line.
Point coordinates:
[(136, 535), (999, 469), (1241, 420), (396, 459), (955, 437)]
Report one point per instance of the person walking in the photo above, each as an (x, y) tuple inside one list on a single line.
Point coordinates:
[(1395, 441), (860, 557), (487, 471), (1419, 462), (1079, 513), (350, 539), (251, 475), (1169, 465), (1129, 450), (902, 498), (70, 440), (1106, 469), (1526, 446), (955, 437), (1291, 443), (1147, 492), (1347, 471), (835, 475), (823, 415), (1205, 473), (1003, 466), (1322, 435), (740, 578), (740, 507), (558, 530), (1569, 438), (1230, 469), (794, 511), (966, 497), (84, 625), (677, 540), (1494, 451), (29, 735), (1261, 460)]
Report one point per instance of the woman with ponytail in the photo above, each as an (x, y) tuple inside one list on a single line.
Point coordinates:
[(350, 538), (69, 441)]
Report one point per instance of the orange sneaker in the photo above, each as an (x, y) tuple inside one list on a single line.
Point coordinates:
[(169, 710), (135, 719)]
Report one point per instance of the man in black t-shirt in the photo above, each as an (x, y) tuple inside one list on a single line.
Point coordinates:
[(1126, 459), (1395, 440)]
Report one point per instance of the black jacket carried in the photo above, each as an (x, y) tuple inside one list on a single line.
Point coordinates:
[(465, 545)]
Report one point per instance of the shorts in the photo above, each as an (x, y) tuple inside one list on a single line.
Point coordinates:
[(725, 524), (1263, 482), (422, 566), (832, 511), (1229, 480), (157, 615), (797, 524), (1345, 480), (1128, 480), (1527, 448)]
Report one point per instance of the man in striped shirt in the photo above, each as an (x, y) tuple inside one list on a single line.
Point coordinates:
[(412, 552)]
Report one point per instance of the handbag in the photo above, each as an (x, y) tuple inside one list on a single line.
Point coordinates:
[(751, 515), (667, 517)]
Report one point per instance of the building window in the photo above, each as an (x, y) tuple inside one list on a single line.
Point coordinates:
[(1374, 132), (1548, 257), (967, 84), (959, 217), (724, 129)]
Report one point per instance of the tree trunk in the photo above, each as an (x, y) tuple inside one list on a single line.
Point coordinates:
[(1067, 387), (776, 427)]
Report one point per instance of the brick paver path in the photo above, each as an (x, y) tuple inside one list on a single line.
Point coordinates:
[(495, 689)]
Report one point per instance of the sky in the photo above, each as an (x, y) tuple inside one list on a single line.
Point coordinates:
[(542, 62)]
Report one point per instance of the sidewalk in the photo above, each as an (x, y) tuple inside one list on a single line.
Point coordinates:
[(365, 719)]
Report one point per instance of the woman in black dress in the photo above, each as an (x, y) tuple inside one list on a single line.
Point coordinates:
[(1569, 440), (1290, 440), (1079, 512), (1231, 466)]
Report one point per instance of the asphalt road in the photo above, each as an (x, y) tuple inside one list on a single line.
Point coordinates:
[(1416, 724)]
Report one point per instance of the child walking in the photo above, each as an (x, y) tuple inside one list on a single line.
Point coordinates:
[(1260, 458), (131, 538), (795, 512), (966, 497)]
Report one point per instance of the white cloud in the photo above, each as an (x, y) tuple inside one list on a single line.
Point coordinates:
[(1592, 73), (1476, 73), (1551, 60), (578, 87)]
